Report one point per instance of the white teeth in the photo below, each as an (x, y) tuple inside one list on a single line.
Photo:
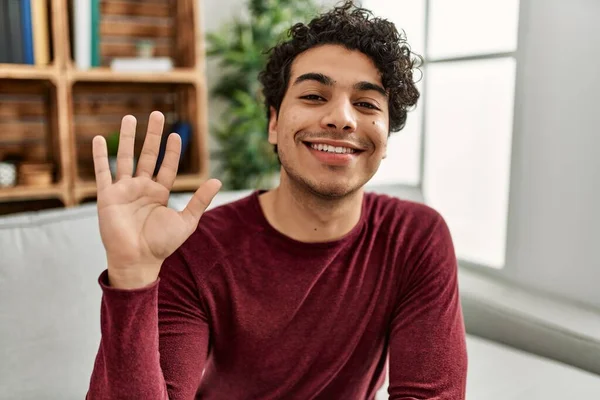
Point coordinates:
[(331, 149)]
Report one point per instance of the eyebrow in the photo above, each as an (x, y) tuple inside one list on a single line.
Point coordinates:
[(328, 81)]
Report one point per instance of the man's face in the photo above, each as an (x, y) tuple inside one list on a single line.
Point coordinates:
[(332, 128)]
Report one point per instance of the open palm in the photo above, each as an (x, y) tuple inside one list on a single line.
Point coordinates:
[(138, 230)]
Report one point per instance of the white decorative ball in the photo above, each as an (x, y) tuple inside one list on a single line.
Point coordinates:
[(8, 174)]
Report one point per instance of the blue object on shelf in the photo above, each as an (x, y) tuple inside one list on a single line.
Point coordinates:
[(184, 130)]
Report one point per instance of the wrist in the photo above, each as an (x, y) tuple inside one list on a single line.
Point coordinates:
[(133, 279)]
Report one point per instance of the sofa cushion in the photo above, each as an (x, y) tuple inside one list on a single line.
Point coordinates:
[(501, 372), (49, 303), (530, 321)]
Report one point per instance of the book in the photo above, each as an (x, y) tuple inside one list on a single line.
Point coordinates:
[(141, 64), (4, 40), (41, 43), (15, 32), (95, 34), (82, 35), (27, 32)]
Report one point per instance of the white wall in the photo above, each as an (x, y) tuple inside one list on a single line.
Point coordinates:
[(554, 217), (213, 14)]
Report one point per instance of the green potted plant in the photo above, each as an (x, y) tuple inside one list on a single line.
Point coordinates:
[(247, 159), (112, 148)]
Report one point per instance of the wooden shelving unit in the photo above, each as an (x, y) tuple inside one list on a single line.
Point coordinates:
[(69, 106)]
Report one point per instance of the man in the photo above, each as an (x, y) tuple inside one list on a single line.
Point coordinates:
[(300, 292)]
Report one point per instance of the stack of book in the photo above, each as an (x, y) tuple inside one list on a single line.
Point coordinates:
[(24, 33)]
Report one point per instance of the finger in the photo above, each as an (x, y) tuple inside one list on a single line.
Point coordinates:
[(168, 168), (147, 161), (199, 202), (100, 155), (126, 144)]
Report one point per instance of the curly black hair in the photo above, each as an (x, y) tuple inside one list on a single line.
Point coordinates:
[(355, 28)]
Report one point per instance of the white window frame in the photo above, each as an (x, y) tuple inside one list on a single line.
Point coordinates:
[(416, 193)]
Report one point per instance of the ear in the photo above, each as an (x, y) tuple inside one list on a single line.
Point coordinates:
[(272, 126)]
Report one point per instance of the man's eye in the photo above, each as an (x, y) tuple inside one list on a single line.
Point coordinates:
[(312, 97), (367, 105)]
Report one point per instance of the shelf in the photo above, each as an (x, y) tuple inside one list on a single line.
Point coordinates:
[(25, 71), (183, 183), (103, 74), (32, 192), (187, 183), (84, 189), (51, 112)]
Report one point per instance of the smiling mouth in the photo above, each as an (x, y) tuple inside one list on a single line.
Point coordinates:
[(327, 148)]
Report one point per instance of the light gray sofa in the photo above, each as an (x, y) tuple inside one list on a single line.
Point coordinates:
[(50, 304)]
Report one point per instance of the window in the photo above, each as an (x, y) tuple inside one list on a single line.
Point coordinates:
[(456, 146)]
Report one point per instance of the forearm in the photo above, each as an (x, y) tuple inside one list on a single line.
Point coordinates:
[(432, 368), (128, 360)]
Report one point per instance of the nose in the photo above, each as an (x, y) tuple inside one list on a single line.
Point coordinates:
[(339, 116)]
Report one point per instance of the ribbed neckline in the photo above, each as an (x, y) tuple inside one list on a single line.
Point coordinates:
[(297, 245)]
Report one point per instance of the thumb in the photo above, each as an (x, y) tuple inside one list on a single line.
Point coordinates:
[(199, 202)]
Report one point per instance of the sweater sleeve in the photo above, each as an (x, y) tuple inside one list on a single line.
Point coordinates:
[(428, 358), (154, 339)]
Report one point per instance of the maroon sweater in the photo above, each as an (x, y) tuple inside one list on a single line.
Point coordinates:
[(268, 317)]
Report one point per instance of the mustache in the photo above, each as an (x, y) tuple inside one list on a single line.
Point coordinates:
[(359, 142)]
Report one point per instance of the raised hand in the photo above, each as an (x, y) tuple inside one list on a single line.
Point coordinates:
[(138, 230)]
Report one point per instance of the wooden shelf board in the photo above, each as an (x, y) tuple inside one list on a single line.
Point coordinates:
[(21, 192), (84, 189), (103, 74), (25, 71), (186, 182)]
